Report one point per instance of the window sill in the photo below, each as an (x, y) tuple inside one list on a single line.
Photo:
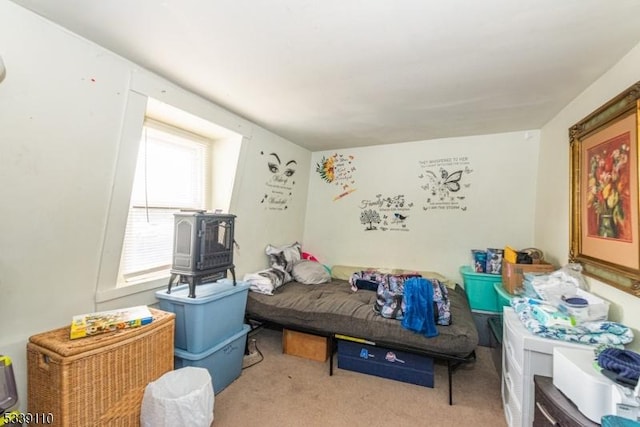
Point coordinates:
[(137, 288)]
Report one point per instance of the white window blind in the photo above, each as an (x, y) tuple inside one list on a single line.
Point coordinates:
[(172, 173)]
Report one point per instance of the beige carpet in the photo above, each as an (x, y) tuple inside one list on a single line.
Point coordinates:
[(285, 390)]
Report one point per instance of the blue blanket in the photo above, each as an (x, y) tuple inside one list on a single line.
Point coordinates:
[(418, 315)]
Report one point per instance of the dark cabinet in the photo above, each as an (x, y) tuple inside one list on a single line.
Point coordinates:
[(552, 408)]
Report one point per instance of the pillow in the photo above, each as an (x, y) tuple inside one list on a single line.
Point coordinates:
[(266, 281), (284, 257), (310, 272)]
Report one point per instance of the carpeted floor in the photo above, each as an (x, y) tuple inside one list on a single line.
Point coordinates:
[(285, 390)]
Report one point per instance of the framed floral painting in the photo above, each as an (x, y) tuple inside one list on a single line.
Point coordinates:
[(604, 192)]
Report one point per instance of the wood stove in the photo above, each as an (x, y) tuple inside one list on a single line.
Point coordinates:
[(202, 248)]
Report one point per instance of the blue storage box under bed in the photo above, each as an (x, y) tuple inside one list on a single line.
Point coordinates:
[(385, 363)]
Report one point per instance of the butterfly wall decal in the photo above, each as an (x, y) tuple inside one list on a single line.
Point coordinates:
[(451, 181), (444, 184)]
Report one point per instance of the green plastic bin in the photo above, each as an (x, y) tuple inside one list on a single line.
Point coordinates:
[(503, 297), (480, 289)]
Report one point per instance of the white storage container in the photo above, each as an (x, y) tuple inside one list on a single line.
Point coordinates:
[(524, 355)]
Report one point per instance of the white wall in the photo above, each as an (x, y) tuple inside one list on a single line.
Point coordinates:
[(552, 210), (259, 221), (498, 190), (62, 113)]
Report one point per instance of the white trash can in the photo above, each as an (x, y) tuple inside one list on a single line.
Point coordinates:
[(183, 397)]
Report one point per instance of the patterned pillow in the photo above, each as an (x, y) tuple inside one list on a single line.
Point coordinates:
[(266, 281), (284, 257)]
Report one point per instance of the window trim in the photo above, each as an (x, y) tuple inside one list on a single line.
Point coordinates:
[(143, 86)]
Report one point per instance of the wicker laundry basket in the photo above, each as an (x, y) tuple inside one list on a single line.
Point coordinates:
[(99, 380)]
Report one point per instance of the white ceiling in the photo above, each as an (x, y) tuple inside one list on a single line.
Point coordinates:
[(328, 74)]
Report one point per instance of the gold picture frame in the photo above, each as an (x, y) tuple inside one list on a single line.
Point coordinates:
[(604, 209)]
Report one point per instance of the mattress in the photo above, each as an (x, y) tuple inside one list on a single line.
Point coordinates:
[(333, 307)]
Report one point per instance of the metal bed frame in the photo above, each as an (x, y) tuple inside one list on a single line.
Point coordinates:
[(453, 362)]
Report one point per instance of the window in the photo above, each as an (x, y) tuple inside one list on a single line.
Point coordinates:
[(173, 172), (181, 153)]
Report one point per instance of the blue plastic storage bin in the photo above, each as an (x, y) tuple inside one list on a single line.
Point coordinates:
[(223, 361), (385, 363), (215, 314), (617, 421), (479, 289)]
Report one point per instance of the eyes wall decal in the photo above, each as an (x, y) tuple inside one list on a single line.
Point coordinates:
[(278, 170), (279, 185)]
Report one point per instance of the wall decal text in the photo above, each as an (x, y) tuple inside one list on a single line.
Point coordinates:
[(385, 213), (338, 170)]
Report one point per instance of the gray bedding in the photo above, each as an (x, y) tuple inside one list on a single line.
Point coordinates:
[(334, 308)]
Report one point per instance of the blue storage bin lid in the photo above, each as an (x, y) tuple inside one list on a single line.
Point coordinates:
[(199, 356), (616, 421), (205, 293)]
